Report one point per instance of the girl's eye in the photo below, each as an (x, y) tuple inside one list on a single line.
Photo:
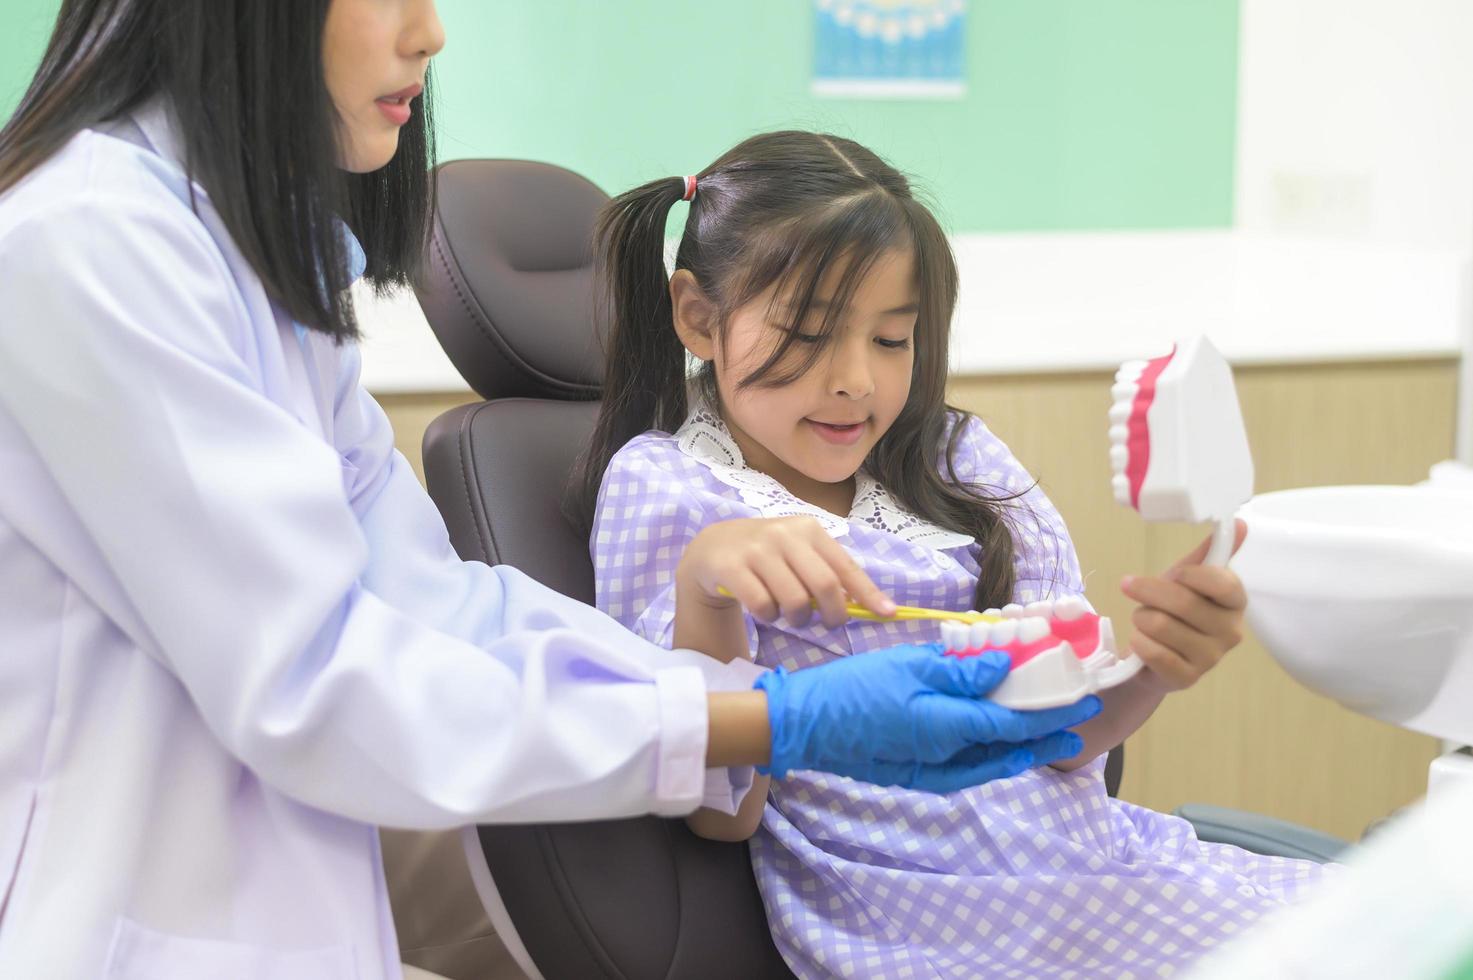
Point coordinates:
[(805, 338), (902, 344)]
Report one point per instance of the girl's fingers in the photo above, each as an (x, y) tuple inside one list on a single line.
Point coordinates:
[(1172, 670), (1185, 603), (1218, 584), (859, 586), (822, 583), (1197, 650), (794, 602), (786, 566), (746, 588)]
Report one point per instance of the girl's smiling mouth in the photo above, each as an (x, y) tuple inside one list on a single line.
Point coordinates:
[(838, 433)]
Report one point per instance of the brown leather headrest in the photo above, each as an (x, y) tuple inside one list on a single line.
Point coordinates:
[(508, 288)]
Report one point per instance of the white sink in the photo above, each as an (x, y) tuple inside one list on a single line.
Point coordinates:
[(1365, 594)]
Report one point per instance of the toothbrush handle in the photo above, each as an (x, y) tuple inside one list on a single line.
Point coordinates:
[(856, 611), (1221, 548), (916, 612)]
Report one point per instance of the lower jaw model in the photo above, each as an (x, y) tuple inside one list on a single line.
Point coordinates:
[(1060, 651)]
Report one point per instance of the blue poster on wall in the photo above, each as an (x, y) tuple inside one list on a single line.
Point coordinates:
[(889, 48)]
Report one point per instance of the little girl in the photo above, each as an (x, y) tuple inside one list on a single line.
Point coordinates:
[(813, 455)]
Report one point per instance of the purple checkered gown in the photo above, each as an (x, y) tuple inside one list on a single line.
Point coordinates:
[(1042, 875)]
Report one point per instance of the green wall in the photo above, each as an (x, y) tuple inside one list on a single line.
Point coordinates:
[(1079, 114), (24, 27)]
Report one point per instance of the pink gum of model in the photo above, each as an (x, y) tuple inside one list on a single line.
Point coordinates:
[(1082, 634)]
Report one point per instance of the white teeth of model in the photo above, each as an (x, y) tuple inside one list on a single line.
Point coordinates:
[(1012, 611), (1120, 412), (1124, 391), (1107, 636), (1121, 485), (954, 636), (1032, 629), (1118, 434), (1130, 371), (1119, 456), (1004, 632), (1071, 608), (992, 612), (978, 635), (1042, 608)]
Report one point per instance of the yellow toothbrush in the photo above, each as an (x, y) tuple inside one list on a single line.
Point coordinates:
[(905, 613)]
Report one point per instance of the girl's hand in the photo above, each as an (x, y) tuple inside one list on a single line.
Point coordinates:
[(776, 567), (1187, 618)]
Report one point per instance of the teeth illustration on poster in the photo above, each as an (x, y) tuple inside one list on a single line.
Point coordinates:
[(890, 48)]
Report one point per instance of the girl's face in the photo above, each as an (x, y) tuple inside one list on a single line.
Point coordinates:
[(814, 433), (374, 55)]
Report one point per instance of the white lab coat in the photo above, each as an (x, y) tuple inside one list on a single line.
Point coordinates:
[(233, 634)]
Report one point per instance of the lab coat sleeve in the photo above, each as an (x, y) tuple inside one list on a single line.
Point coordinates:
[(412, 563), (129, 359)]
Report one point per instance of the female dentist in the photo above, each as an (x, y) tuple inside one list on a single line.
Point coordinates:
[(235, 636)]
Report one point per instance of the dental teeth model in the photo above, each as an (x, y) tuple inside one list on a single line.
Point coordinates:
[(1179, 452), (1178, 448), (1061, 651)]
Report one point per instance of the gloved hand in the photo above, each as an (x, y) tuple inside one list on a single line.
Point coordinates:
[(911, 716)]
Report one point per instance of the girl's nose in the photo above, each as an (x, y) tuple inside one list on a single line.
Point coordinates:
[(849, 371)]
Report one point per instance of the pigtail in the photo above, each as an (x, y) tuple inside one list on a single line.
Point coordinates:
[(645, 363)]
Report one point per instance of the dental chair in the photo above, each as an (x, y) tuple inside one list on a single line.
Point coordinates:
[(508, 293)]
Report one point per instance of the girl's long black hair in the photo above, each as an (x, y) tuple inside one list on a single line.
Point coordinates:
[(780, 209), (245, 81)]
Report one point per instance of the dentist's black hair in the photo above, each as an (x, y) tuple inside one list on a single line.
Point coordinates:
[(780, 210), (257, 130)]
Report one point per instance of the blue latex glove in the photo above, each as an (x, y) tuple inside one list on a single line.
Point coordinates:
[(911, 716)]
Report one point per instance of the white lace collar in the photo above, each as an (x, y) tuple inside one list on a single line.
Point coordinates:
[(704, 437)]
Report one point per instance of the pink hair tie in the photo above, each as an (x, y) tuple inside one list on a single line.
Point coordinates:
[(690, 188)]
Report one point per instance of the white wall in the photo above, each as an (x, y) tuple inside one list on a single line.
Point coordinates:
[(1355, 120)]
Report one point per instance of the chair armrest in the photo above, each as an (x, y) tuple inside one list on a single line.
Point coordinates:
[(1259, 834)]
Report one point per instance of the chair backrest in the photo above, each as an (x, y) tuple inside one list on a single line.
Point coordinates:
[(509, 295)]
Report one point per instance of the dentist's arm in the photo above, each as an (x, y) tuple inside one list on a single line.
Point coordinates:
[(215, 528), (738, 729)]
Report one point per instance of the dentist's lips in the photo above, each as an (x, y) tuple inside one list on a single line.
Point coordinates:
[(395, 106), (838, 433)]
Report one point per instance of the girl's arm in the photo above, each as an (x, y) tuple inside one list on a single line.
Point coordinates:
[(1126, 709), (774, 567), (717, 627), (642, 580), (1186, 621)]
